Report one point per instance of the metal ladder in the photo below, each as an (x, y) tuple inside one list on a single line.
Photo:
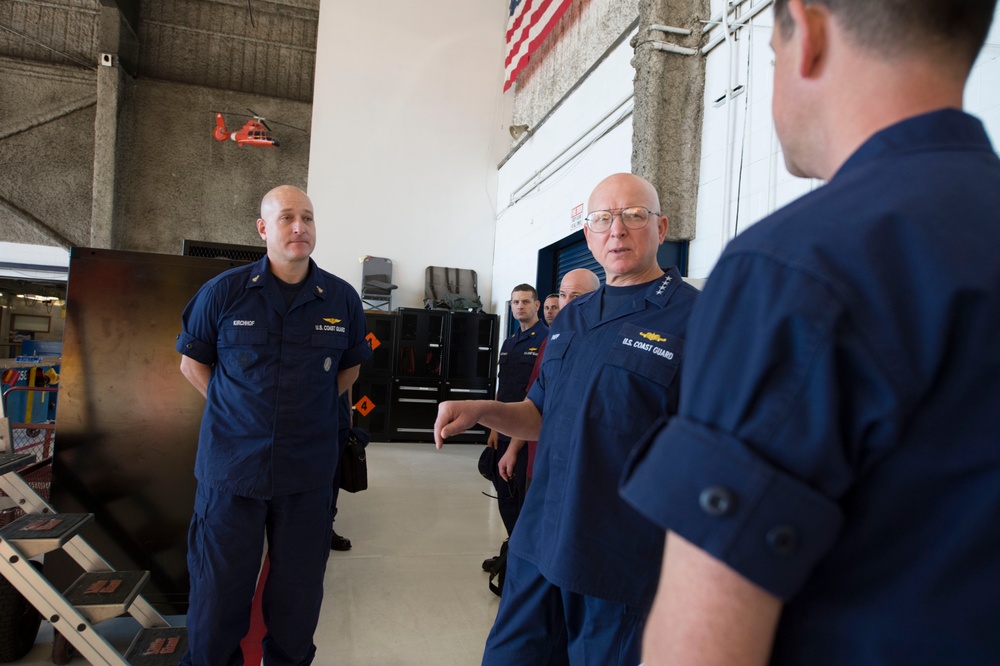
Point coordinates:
[(99, 594)]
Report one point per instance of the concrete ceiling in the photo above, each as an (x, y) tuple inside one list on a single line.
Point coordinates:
[(263, 47)]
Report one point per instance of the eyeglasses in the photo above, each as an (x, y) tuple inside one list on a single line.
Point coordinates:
[(635, 217)]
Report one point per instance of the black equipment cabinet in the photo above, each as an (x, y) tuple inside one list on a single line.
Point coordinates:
[(420, 343), (371, 392), (436, 355)]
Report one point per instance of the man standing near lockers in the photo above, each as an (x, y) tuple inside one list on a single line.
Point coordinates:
[(270, 345), (575, 283), (582, 564), (831, 482), (517, 358)]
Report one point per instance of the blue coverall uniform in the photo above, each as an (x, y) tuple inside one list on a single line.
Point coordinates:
[(582, 563), (517, 358), (267, 453), (837, 438)]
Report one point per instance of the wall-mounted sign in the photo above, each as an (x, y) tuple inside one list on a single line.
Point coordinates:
[(576, 217)]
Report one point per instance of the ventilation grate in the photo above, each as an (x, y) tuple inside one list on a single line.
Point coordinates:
[(193, 248)]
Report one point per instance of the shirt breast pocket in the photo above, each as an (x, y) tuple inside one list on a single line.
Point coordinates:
[(325, 352), (242, 351), (555, 353), (640, 374)]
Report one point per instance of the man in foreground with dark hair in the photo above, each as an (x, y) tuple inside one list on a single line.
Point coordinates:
[(831, 482)]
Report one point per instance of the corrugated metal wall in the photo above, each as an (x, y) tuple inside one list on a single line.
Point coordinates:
[(65, 33), (214, 44), (210, 43)]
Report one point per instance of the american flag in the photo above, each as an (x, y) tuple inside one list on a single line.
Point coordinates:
[(529, 24)]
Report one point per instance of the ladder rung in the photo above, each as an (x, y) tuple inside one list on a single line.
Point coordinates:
[(159, 646), (103, 595), (11, 462), (36, 534)]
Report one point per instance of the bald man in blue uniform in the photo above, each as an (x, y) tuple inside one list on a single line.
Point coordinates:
[(271, 345), (831, 482), (582, 564)]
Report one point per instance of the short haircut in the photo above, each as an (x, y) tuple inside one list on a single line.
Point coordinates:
[(894, 27), (526, 287), (552, 296)]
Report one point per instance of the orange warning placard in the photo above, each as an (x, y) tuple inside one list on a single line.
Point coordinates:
[(373, 341), (364, 406)]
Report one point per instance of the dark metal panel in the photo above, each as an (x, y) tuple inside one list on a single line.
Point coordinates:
[(127, 425)]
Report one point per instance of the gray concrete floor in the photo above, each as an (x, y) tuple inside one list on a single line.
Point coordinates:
[(411, 592)]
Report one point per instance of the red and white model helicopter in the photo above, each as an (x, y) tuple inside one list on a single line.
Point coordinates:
[(255, 132)]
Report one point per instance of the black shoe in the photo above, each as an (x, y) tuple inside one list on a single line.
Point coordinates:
[(488, 563), (340, 543)]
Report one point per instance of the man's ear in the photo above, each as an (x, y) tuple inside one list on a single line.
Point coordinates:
[(261, 228), (811, 34), (664, 223)]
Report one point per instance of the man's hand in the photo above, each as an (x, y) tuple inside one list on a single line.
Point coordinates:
[(516, 419), (455, 417), (493, 439), (506, 463)]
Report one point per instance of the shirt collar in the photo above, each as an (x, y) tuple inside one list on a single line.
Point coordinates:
[(945, 128), (260, 275)]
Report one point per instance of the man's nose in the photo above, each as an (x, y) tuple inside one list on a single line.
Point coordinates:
[(618, 227)]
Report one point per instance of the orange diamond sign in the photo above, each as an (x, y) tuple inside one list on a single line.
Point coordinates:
[(373, 341), (365, 406)]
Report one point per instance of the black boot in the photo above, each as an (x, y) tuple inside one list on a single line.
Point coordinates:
[(340, 543)]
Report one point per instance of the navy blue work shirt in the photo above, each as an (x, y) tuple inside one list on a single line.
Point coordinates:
[(517, 359), (270, 421), (601, 386), (837, 439)]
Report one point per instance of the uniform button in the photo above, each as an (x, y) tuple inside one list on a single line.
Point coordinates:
[(717, 500), (783, 539), (190, 345)]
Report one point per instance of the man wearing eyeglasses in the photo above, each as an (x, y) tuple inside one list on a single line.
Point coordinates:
[(582, 564)]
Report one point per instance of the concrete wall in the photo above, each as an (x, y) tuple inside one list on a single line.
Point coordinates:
[(178, 182), (46, 152), (407, 132), (585, 32), (172, 179)]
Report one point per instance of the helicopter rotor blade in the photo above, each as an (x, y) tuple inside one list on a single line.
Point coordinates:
[(260, 119), (276, 122)]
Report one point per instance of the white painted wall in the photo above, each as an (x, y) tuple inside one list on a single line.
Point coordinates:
[(763, 184), (408, 127), (758, 182), (532, 217)]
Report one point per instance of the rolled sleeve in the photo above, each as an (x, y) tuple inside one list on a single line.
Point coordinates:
[(715, 492), (191, 346)]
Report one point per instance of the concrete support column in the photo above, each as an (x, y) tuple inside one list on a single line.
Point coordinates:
[(118, 46), (669, 100), (109, 95)]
